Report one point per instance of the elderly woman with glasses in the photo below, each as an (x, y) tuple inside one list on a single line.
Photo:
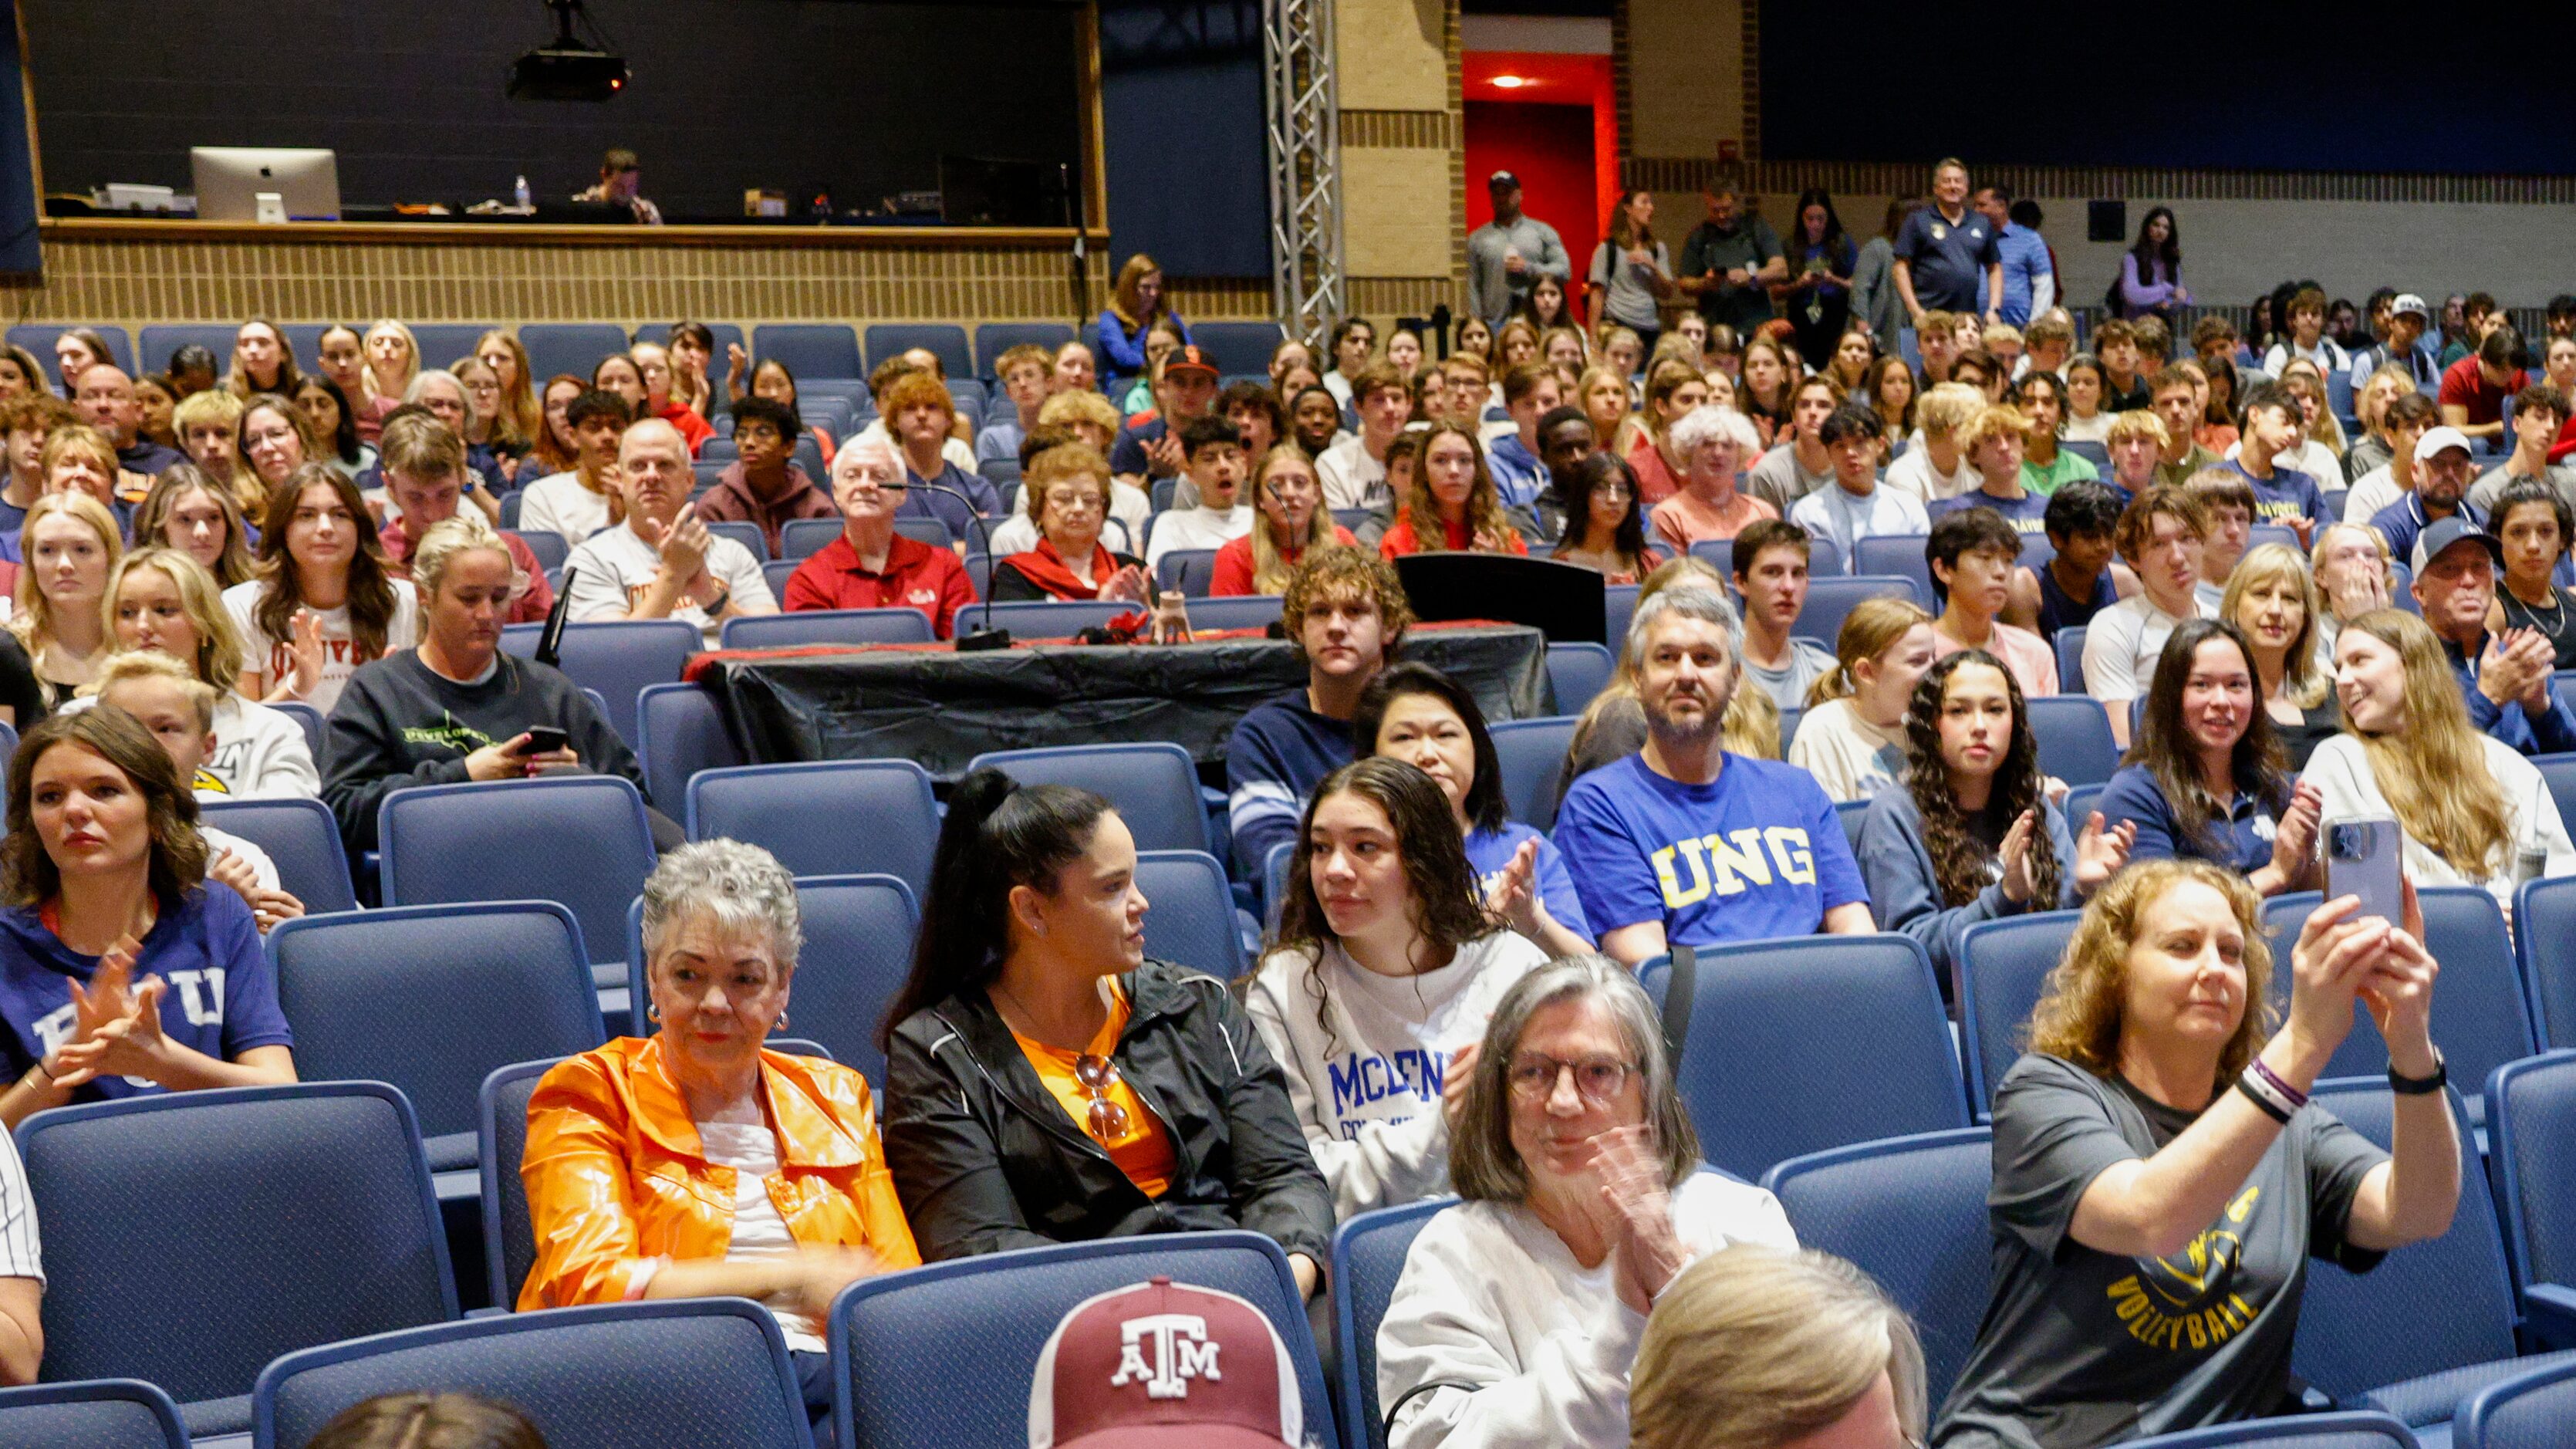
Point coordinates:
[(696, 1162), (1519, 1312)]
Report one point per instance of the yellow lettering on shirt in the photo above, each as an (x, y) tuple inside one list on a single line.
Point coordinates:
[(2188, 1302), (1677, 895), (1789, 847), (1726, 865)]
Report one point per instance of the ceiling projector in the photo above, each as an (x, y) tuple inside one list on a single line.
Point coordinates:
[(565, 69)]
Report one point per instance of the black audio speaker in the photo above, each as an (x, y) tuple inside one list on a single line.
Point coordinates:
[(2106, 221)]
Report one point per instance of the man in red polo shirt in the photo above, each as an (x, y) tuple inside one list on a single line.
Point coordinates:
[(424, 467), (2475, 387), (870, 566)]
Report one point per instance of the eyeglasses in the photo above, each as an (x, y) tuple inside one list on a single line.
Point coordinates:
[(1097, 1074), (1600, 1079)]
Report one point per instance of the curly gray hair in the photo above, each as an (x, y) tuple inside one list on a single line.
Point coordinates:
[(1710, 423), (741, 886)]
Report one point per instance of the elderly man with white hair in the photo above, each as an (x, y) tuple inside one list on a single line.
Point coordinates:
[(870, 566), (662, 563)]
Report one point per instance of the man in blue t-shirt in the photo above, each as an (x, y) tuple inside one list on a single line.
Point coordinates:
[(1683, 843), (2284, 496), (2030, 273), (1993, 442), (1947, 256)]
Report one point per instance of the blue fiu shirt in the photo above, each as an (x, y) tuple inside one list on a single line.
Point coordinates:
[(222, 999), (1489, 854), (1756, 856), (2287, 494), (2241, 839)]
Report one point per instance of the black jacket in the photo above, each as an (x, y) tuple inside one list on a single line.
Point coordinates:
[(986, 1159)]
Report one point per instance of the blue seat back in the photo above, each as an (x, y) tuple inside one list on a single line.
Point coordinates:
[(1895, 553), (2070, 660), (308, 1218), (2081, 802), (1050, 618), (2544, 913), (828, 626), (1237, 347), (573, 347), (316, 728), (2485, 1020), (441, 343), (1851, 814), (2534, 1408), (1368, 1261), (301, 838), (1190, 914), (1235, 611), (2349, 1429), (617, 657), (776, 573), (2074, 738), (2531, 1137), (1531, 754), (2560, 770), (694, 1373), (501, 1141), (2003, 966), (748, 535), (1577, 672), (942, 1357), (549, 547), (1830, 600), (801, 538), (807, 815), (922, 528), (2451, 1293), (1912, 1214), (431, 999), (92, 1414), (442, 844), (680, 730), (943, 340), (162, 341), (811, 350), (1190, 570), (38, 338), (992, 339), (1155, 786), (1800, 1045), (727, 334), (1618, 606), (1824, 558)]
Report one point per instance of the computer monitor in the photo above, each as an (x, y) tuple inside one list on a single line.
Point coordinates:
[(230, 178)]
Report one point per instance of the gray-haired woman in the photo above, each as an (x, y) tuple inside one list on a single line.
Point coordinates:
[(1519, 1311), (697, 1163)]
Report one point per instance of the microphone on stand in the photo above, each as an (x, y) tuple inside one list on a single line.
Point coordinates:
[(987, 637)]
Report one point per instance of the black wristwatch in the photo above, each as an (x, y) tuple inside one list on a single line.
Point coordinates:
[(2406, 1086)]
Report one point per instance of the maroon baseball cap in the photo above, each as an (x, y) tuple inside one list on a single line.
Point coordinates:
[(1165, 1365), (1190, 359)]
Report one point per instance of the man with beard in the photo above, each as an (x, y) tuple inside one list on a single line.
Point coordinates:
[(1683, 843)]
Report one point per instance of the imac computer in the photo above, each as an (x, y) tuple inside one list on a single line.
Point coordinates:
[(230, 179)]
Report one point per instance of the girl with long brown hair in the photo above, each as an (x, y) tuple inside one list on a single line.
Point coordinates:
[(1454, 507), (324, 602)]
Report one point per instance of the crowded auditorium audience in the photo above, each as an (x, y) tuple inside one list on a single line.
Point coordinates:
[(1877, 522)]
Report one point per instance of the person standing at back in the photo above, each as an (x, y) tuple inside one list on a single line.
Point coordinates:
[(1507, 256), (1729, 262), (1948, 257)]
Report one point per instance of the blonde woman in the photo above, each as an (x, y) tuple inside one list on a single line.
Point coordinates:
[(520, 421), (2354, 573), (2159, 1170), (2272, 598), (392, 361), (1753, 1348), (262, 362), (69, 543), (1935, 465), (1852, 737), (2370, 401), (1291, 521), (2324, 431), (1603, 396), (2475, 812), (161, 600), (186, 511)]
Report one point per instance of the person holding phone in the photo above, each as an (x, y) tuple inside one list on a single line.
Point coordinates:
[(2474, 810), (457, 708), (2160, 1177)]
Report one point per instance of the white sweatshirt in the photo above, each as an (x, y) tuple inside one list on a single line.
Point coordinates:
[(1369, 1096), (1491, 1297), (2340, 769), (261, 752)]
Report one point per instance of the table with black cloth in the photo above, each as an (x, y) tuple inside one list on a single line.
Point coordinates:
[(939, 708)]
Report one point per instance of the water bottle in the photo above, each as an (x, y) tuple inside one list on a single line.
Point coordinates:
[(520, 195)]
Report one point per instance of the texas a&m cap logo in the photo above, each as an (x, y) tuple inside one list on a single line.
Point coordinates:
[(1165, 1363)]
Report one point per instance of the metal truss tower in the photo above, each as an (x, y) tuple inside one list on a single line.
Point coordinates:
[(1303, 107)]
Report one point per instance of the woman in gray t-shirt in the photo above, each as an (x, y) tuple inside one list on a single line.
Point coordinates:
[(2160, 1182), (1631, 271)]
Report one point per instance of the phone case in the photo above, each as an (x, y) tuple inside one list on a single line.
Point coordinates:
[(2364, 856)]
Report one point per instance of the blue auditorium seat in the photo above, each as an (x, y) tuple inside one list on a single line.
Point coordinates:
[(1531, 754), (1155, 787), (1830, 600), (905, 625), (943, 340), (472, 842), (441, 343), (91, 1414), (162, 341), (1368, 1260), (1190, 919), (824, 817), (38, 338), (992, 339), (1576, 672), (617, 657), (302, 840), (2003, 966), (679, 730), (812, 350), (1238, 347)]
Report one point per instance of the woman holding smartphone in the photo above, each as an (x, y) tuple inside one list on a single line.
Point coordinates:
[(2474, 811)]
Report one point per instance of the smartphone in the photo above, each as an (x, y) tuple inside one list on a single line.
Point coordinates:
[(543, 739), (2364, 858)]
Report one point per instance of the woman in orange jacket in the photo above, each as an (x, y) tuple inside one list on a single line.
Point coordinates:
[(693, 1163)]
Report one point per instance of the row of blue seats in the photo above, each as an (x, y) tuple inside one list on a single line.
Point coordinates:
[(814, 350)]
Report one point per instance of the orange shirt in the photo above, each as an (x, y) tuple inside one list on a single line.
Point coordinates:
[(618, 1178), (1400, 539), (1144, 1152)]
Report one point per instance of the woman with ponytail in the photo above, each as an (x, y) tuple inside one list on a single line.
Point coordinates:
[(1047, 1083)]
